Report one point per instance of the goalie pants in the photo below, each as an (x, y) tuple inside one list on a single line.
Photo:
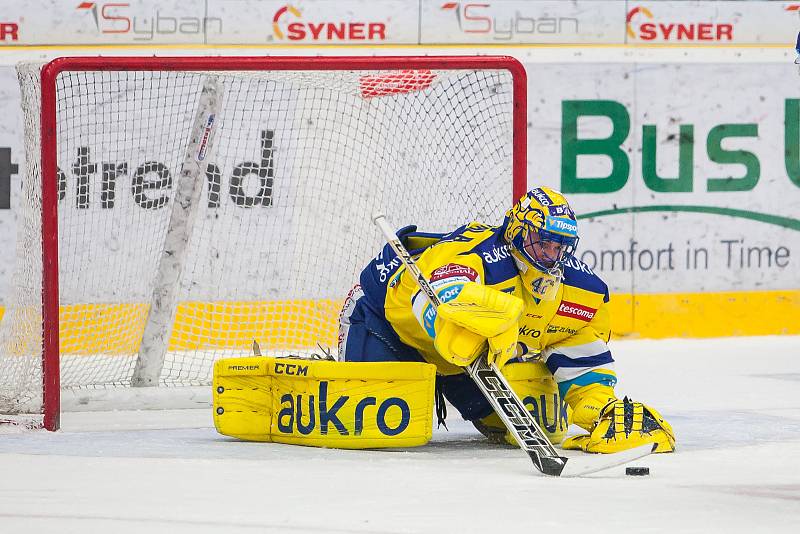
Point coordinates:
[(366, 336)]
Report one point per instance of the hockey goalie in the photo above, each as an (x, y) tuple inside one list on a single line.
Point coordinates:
[(515, 293)]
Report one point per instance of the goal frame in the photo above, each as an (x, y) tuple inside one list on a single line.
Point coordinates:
[(51, 389)]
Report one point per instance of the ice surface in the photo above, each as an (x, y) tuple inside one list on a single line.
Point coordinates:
[(734, 404)]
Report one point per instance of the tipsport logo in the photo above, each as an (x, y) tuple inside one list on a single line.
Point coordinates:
[(288, 24), (478, 19), (116, 18), (641, 26), (561, 225)]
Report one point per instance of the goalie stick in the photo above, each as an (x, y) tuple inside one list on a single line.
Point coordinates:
[(506, 402)]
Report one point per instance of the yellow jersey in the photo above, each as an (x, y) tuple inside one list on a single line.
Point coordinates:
[(570, 333)]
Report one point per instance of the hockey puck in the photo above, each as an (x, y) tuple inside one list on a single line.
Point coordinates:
[(637, 471)]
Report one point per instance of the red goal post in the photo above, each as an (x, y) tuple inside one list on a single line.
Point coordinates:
[(468, 128)]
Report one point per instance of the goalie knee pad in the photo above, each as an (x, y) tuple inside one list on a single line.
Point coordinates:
[(535, 386)]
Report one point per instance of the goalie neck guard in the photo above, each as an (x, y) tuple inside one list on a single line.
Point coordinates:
[(542, 233)]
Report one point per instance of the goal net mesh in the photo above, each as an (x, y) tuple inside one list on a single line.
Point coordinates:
[(300, 162)]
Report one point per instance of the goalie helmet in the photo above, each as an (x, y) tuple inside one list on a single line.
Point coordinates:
[(542, 233)]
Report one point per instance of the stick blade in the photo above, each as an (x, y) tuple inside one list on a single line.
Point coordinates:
[(579, 466), (549, 465)]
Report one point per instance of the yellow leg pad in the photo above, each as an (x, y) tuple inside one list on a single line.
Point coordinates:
[(537, 389), (348, 405)]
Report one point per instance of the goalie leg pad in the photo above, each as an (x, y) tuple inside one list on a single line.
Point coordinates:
[(349, 405)]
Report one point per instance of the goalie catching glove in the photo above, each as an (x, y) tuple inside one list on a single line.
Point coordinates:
[(620, 425), (477, 315)]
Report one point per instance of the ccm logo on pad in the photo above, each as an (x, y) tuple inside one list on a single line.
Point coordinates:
[(576, 311)]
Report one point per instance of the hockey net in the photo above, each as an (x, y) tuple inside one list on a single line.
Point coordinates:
[(204, 203)]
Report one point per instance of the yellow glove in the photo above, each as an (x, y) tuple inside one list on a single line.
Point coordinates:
[(476, 315), (624, 424), (456, 344), (503, 347)]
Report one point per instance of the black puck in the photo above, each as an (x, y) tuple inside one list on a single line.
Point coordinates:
[(637, 471)]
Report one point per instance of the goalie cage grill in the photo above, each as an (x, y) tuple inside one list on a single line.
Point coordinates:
[(282, 171)]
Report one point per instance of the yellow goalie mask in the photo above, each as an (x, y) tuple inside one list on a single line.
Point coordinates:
[(542, 233)]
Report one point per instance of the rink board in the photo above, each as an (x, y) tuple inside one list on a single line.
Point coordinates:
[(303, 324)]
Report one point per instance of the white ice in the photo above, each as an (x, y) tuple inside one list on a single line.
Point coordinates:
[(733, 403)]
